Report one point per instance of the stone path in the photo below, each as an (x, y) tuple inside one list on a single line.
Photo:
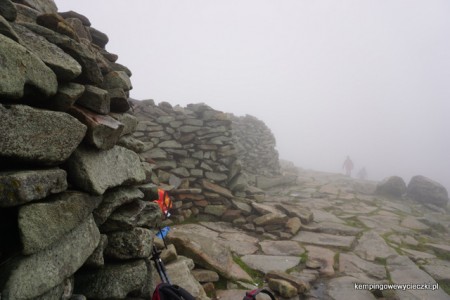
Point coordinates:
[(356, 236)]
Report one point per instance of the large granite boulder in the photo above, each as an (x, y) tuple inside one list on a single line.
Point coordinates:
[(131, 244), (38, 136), (43, 6), (114, 281), (30, 276), (44, 223), (96, 171), (19, 187), (65, 67), (427, 191), (8, 10), (392, 186), (22, 68)]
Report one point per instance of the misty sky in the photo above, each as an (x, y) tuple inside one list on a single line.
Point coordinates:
[(369, 79)]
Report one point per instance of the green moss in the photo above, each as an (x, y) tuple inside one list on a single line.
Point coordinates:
[(336, 261), (257, 276), (304, 257), (444, 285)]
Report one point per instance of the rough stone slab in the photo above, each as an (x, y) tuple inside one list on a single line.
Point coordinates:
[(83, 54), (114, 281), (43, 6), (136, 214), (44, 223), (216, 189), (96, 260), (321, 259), (38, 136), (440, 249), (352, 265), (19, 187), (93, 172), (403, 271), (113, 199), (8, 10), (271, 219), (117, 79), (135, 243), (372, 246), (239, 242), (65, 67), (438, 269), (129, 121), (305, 215), (7, 30), (118, 101), (415, 224), (343, 288), (332, 228), (179, 273), (103, 131), (267, 263), (66, 96), (21, 67), (33, 275), (281, 248), (25, 14), (207, 253), (301, 285), (202, 275), (324, 239), (95, 99)]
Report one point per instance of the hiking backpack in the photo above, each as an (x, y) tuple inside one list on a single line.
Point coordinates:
[(252, 294), (167, 291)]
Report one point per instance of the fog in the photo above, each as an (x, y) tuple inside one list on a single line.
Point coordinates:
[(368, 79)]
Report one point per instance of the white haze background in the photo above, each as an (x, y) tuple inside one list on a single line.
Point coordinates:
[(369, 79)]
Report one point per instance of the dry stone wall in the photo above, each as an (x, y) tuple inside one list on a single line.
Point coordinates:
[(72, 217)]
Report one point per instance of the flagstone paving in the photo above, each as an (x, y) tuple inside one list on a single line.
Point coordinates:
[(353, 236)]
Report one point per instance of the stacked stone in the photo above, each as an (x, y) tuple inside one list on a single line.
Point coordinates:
[(72, 217), (256, 146), (195, 144)]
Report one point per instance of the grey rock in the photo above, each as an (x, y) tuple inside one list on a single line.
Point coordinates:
[(114, 281), (281, 248), (301, 285), (202, 275), (131, 143), (98, 37), (392, 186), (95, 99), (218, 177), (8, 10), (352, 265), (271, 219), (43, 6), (372, 246), (170, 144), (216, 189), (96, 260), (23, 131), (83, 54), (30, 276), (45, 223), (324, 239), (216, 210), (136, 214), (116, 79), (113, 199), (135, 243), (20, 67), (267, 263), (25, 14), (7, 30), (343, 288), (103, 131), (425, 190), (284, 288), (207, 253), (67, 95), (119, 100), (72, 14), (305, 215), (179, 273), (92, 171), (65, 67), (402, 270), (19, 187), (129, 121)]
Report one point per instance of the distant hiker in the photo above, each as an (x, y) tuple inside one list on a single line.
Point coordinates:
[(362, 174), (348, 166)]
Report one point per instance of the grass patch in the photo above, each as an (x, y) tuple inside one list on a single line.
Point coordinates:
[(381, 261), (258, 277), (444, 285), (304, 257), (336, 261)]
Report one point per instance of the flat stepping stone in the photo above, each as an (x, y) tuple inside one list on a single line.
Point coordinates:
[(343, 288), (438, 269), (350, 264), (404, 271), (332, 228), (324, 239), (440, 249), (322, 257), (418, 255), (281, 248), (372, 246), (239, 243), (323, 216), (413, 223), (267, 263)]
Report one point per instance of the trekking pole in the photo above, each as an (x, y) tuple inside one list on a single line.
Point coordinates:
[(159, 265)]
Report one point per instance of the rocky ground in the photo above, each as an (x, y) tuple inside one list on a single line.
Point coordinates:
[(356, 236)]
